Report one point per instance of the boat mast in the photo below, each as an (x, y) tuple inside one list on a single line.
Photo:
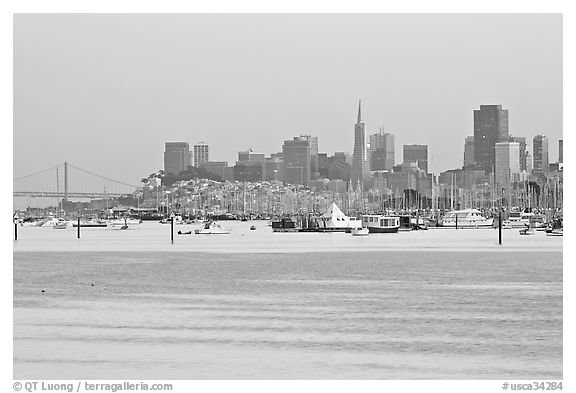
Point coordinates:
[(57, 193), (433, 196), (452, 194), (492, 189)]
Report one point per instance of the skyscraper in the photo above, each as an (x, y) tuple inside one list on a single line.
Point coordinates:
[(177, 157), (246, 166), (381, 151), (296, 161), (469, 151), (490, 127), (360, 165), (274, 168), (218, 168), (418, 154), (529, 165), (507, 156), (313, 142), (200, 153), (561, 151), (523, 151), (540, 154), (250, 155)]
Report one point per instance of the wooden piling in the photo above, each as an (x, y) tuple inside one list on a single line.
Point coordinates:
[(500, 227)]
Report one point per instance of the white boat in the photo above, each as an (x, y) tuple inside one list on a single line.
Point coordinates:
[(556, 232), (514, 218), (178, 220), (527, 217), (527, 231), (467, 218), (120, 222), (360, 232), (212, 228), (54, 221), (90, 223), (334, 220), (377, 223), (61, 225)]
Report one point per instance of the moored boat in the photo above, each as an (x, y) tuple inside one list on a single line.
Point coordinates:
[(120, 222), (92, 223), (62, 225), (212, 228), (360, 232), (334, 220), (53, 222), (467, 218), (377, 223), (556, 232), (285, 224)]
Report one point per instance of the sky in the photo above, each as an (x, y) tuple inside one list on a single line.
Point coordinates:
[(105, 91)]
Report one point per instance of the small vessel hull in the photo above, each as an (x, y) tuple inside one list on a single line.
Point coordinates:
[(383, 229), (325, 230), (87, 225), (286, 230), (360, 232), (210, 232)]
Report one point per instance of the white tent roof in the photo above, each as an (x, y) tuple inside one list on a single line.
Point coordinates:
[(333, 212)]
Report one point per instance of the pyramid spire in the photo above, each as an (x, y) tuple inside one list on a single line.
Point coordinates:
[(359, 111)]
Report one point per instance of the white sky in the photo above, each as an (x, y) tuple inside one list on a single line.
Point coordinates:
[(105, 92)]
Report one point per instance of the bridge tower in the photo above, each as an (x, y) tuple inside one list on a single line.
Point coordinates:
[(66, 183)]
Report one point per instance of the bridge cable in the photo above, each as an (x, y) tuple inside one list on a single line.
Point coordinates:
[(102, 177), (37, 173)]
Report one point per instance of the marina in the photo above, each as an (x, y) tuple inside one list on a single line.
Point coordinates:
[(154, 237)]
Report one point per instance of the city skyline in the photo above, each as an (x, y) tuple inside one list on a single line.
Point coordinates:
[(82, 89)]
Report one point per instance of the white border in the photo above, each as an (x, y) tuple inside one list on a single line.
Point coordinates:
[(438, 6)]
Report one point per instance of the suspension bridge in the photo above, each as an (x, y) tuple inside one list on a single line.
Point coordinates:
[(68, 181)]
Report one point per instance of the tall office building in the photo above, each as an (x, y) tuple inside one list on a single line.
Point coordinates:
[(250, 155), (381, 151), (252, 171), (469, 151), (200, 153), (561, 151), (360, 165), (250, 166), (529, 165), (297, 168), (418, 154), (540, 154), (507, 156), (323, 165), (177, 157), (274, 168), (219, 168), (313, 141), (523, 151), (490, 127)]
